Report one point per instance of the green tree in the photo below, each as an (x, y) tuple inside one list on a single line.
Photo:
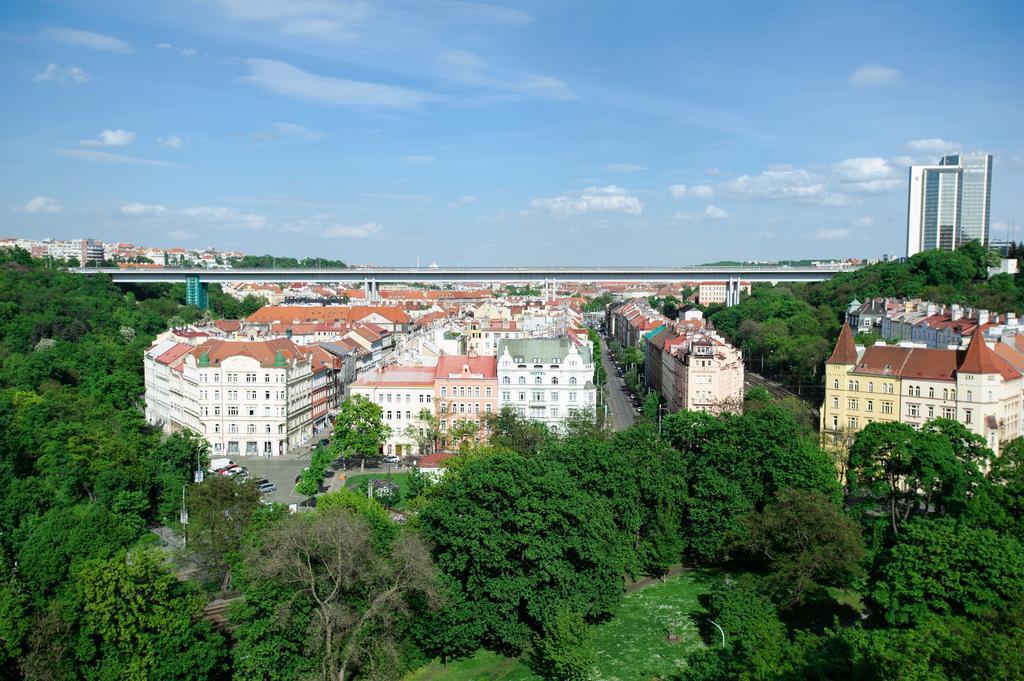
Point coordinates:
[(328, 561), (220, 509), (806, 541), (359, 428), (523, 541), (946, 567), (908, 471), (137, 621), (745, 637), (565, 651)]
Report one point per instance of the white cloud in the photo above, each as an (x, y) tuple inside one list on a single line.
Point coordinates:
[(868, 175), (467, 68), (283, 79), (610, 199), (110, 138), (779, 182), (54, 73), (713, 212), (93, 41), (106, 157), (865, 221), (181, 234), (933, 145), (41, 204), (832, 234), (141, 209), (462, 201), (697, 191), (225, 218), (418, 158), (363, 231), (184, 51), (289, 131), (875, 75), (173, 142), (546, 87), (623, 168)]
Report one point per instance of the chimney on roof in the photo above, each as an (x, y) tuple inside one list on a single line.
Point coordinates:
[(982, 317), (931, 309), (955, 312)]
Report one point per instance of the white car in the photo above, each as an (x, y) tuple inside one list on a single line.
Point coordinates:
[(391, 458)]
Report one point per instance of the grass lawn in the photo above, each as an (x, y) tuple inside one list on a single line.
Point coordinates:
[(633, 645), (358, 483)]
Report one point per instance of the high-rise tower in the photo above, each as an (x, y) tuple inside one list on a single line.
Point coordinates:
[(948, 203)]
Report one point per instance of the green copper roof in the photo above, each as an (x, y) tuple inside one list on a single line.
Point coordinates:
[(279, 360), (204, 359)]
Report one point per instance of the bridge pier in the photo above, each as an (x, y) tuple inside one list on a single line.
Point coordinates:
[(196, 292), (732, 291)]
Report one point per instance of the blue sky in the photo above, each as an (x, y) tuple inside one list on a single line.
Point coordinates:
[(526, 133)]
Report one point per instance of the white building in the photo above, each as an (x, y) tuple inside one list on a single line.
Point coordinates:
[(402, 393), (245, 398), (545, 379)]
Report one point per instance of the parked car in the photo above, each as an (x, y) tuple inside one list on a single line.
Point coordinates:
[(219, 464), (232, 471), (267, 487), (391, 458)]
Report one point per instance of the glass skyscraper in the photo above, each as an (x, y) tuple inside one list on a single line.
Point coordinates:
[(948, 203)]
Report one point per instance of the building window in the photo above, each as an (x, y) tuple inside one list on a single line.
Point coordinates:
[(913, 410), (506, 380), (870, 406), (572, 396), (522, 380), (886, 407), (487, 408), (931, 392), (251, 428), (444, 391), (487, 391), (835, 384), (967, 415), (931, 411), (538, 380), (554, 395), (969, 396), (538, 397), (232, 427), (250, 378), (871, 387), (835, 423), (522, 397), (947, 412), (232, 410), (572, 380), (554, 380), (853, 422), (506, 396), (835, 401), (852, 404)]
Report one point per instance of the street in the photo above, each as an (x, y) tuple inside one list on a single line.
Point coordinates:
[(619, 405)]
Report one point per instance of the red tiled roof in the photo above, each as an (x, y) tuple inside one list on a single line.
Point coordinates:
[(845, 351), (435, 460), (979, 359), (289, 314), (264, 352), (455, 364)]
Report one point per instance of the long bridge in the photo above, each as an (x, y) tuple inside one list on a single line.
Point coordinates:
[(198, 279)]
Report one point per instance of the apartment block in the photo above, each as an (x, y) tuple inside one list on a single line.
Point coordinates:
[(546, 379), (977, 387)]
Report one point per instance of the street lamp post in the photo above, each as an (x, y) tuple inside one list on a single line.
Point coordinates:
[(719, 629)]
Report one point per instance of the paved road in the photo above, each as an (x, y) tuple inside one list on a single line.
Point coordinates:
[(619, 405)]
